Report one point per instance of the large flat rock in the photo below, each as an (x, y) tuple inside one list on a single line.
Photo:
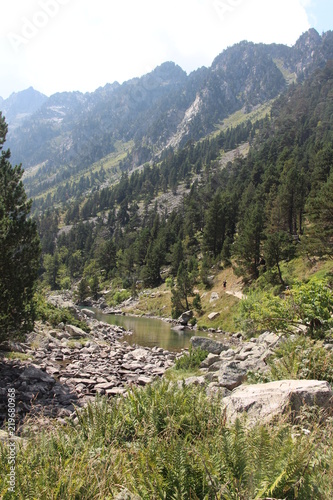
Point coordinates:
[(212, 346), (262, 402)]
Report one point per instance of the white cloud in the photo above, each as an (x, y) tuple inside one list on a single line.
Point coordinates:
[(80, 44)]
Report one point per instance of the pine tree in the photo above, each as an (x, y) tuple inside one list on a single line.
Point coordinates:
[(19, 248), (177, 256), (249, 239), (319, 239), (184, 290)]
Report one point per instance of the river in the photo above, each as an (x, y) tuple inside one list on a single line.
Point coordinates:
[(149, 332)]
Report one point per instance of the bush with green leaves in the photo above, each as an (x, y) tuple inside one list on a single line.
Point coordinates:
[(118, 297), (191, 360), (306, 305), (55, 315)]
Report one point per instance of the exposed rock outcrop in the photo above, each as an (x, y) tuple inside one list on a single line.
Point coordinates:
[(263, 402)]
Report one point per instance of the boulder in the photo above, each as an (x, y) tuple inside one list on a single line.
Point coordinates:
[(263, 402), (231, 376), (185, 317), (212, 346), (178, 328), (88, 313), (10, 346), (269, 339), (61, 301), (214, 296), (210, 360), (201, 381), (213, 315), (32, 372), (140, 354), (75, 331)]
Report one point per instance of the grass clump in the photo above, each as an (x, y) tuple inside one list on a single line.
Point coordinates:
[(297, 357), (191, 360)]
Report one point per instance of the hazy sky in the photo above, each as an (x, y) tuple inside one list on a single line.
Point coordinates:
[(58, 45)]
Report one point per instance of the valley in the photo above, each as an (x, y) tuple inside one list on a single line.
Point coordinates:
[(203, 200)]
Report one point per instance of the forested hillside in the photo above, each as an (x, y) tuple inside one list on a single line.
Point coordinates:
[(256, 211), (76, 142)]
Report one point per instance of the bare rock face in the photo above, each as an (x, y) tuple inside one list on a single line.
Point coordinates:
[(263, 402)]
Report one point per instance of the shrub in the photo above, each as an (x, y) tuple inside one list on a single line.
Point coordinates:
[(55, 315), (193, 321), (301, 358), (191, 360), (308, 305)]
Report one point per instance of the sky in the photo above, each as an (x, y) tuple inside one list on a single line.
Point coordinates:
[(65, 45)]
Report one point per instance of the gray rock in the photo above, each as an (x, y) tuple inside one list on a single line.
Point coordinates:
[(75, 332), (185, 317), (143, 380), (127, 495), (214, 389), (195, 381), (215, 367), (231, 376), (32, 372), (9, 346), (263, 402), (105, 385), (212, 346), (116, 391), (269, 339), (210, 360), (139, 354), (178, 328), (88, 313), (213, 315), (214, 296)]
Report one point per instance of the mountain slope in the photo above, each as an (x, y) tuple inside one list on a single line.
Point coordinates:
[(163, 108), (21, 105)]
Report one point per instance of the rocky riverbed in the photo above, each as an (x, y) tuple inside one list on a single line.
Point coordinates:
[(65, 366), (58, 369)]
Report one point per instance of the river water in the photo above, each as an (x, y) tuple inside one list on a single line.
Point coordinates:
[(149, 332)]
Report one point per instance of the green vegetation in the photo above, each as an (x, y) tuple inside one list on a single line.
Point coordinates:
[(301, 358), (19, 248), (56, 315), (306, 306), (261, 214), (169, 442), (191, 360)]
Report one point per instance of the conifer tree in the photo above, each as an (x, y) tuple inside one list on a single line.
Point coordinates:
[(19, 247), (319, 239)]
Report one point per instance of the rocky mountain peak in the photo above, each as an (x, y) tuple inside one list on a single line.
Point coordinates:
[(309, 40), (20, 105)]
